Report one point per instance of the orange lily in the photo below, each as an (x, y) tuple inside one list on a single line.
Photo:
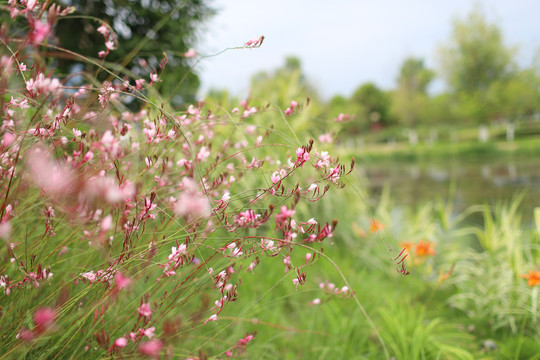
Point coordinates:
[(375, 226), (533, 278), (424, 248)]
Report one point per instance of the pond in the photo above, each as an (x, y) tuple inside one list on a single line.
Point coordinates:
[(476, 180)]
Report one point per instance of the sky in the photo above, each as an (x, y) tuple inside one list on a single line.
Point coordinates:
[(345, 43)]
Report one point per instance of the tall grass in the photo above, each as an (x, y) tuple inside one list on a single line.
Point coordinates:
[(150, 232), (210, 231)]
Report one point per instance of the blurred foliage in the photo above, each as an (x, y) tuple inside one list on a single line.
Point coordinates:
[(375, 105), (284, 84), (272, 92), (484, 85), (476, 56), (414, 76), (482, 73), (145, 30), (410, 100)]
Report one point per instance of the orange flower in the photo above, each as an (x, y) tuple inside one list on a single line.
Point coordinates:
[(424, 248), (533, 278), (408, 246), (375, 226)]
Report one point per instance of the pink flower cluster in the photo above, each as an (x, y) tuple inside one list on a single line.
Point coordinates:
[(139, 204)]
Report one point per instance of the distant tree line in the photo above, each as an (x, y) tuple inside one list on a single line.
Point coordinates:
[(483, 80), (484, 84)]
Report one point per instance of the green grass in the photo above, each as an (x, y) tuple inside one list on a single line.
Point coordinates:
[(467, 300), (418, 316), (443, 150)]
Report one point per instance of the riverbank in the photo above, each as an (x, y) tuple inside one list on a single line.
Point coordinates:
[(403, 151)]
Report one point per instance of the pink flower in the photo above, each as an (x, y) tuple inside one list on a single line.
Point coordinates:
[(89, 276), (44, 319), (25, 335), (30, 4), (110, 46), (342, 117), (177, 252), (40, 85), (7, 140), (275, 177), (145, 310), (106, 223), (88, 156), (325, 138), (52, 176), (284, 214), (255, 42), (192, 205), (153, 78), (316, 301), (5, 230), (122, 281), (41, 31), (23, 104), (253, 265), (139, 84), (149, 333), (211, 318), (203, 154), (151, 348), (120, 342), (103, 30), (237, 251), (249, 111), (301, 156), (190, 54), (247, 218), (290, 110)]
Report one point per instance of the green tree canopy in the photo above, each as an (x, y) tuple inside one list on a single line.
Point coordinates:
[(375, 103), (410, 98), (476, 55), (475, 60), (145, 29), (414, 77)]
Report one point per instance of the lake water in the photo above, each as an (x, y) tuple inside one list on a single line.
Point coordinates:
[(477, 181)]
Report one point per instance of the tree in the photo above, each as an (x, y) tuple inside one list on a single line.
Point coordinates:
[(414, 77), (410, 97), (473, 60), (476, 55), (517, 97), (145, 31), (375, 104)]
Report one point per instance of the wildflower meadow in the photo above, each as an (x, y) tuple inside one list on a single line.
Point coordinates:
[(135, 228)]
